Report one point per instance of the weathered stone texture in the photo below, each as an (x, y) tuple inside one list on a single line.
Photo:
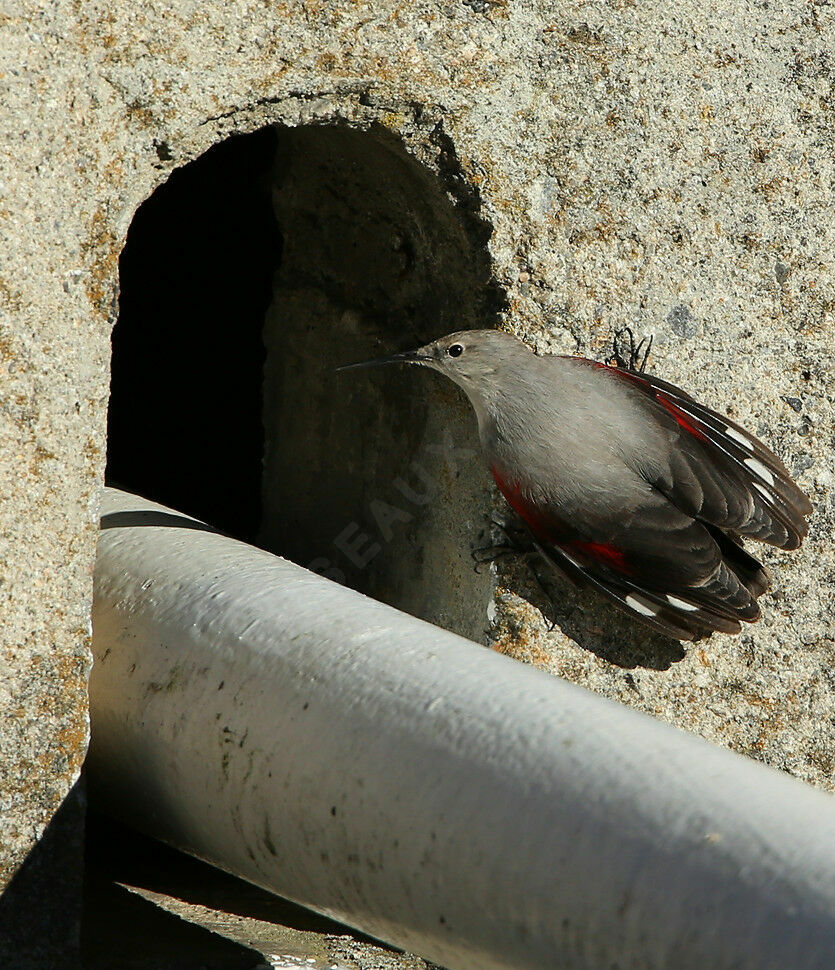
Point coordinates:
[(667, 166)]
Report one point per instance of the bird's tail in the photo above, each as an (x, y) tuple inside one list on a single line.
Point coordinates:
[(748, 570), (721, 604)]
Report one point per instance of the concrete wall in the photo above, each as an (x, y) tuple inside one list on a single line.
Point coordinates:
[(373, 477), (663, 166)]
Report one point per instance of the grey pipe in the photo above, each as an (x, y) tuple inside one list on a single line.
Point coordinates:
[(423, 789)]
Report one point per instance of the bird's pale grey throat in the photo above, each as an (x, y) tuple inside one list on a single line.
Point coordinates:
[(626, 482)]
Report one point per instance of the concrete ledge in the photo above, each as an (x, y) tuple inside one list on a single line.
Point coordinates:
[(429, 792)]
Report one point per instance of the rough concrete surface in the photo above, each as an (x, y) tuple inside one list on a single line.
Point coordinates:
[(666, 166), (375, 255)]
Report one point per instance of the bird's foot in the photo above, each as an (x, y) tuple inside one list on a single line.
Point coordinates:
[(489, 554), (516, 542), (628, 357)]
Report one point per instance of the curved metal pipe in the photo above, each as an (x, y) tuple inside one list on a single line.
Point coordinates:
[(423, 789)]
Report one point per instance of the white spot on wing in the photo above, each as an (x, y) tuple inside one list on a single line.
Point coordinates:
[(737, 436), (680, 604), (758, 468), (762, 491), (641, 606)]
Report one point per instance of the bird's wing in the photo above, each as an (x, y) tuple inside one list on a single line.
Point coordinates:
[(674, 616), (716, 471), (680, 576)]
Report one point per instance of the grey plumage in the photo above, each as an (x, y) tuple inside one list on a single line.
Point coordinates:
[(626, 482)]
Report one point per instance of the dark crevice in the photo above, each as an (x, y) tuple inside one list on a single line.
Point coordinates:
[(246, 280), (184, 424), (374, 477)]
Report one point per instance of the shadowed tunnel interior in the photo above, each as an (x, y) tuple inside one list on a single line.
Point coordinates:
[(184, 423), (246, 280)]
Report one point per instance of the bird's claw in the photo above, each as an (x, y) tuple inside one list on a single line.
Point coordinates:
[(516, 542), (489, 554), (636, 352)]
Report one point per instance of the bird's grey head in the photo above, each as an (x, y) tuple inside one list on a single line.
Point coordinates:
[(471, 358)]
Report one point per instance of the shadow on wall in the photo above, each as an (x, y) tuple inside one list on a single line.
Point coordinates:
[(374, 477), (583, 615), (40, 909), (126, 873), (195, 278), (246, 280)]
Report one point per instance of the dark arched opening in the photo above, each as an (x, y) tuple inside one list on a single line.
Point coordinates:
[(246, 280), (195, 280)]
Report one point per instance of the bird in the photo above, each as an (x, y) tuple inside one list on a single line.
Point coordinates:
[(626, 483)]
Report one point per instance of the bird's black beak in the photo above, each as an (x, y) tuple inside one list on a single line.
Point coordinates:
[(408, 357)]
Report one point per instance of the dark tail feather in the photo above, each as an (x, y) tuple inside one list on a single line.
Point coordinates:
[(667, 614), (685, 613), (750, 572)]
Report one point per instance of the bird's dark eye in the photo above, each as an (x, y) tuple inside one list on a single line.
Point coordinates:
[(455, 350)]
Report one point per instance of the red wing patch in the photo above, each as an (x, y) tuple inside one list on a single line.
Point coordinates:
[(603, 552), (625, 374), (547, 528), (681, 418)]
